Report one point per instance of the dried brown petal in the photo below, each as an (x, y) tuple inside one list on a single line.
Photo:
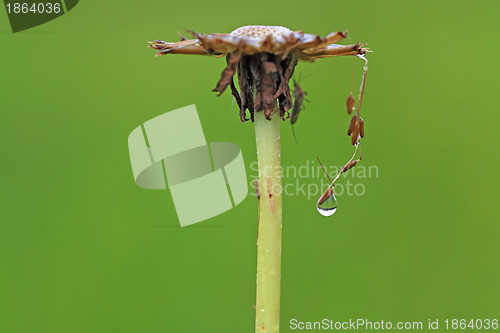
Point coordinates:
[(361, 127), (267, 91), (245, 83), (236, 95), (287, 68), (350, 104), (228, 72)]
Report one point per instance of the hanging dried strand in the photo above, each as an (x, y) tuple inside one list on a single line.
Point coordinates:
[(356, 130), (350, 99), (349, 165), (363, 81), (324, 169)]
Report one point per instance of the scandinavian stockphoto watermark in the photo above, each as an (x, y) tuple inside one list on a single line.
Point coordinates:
[(309, 180), (171, 151)]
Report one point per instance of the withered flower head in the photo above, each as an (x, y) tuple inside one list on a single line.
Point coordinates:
[(265, 58)]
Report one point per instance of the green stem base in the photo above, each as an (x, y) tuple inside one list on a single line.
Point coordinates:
[(267, 133)]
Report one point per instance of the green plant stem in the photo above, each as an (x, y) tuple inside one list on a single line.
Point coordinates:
[(267, 133)]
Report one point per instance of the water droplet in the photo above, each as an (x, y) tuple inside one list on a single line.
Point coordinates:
[(327, 203)]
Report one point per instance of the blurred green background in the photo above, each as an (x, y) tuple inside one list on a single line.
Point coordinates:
[(83, 249)]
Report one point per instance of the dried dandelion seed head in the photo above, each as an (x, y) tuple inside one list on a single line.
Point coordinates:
[(261, 31), (265, 58)]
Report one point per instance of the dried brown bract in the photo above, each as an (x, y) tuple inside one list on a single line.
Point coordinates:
[(352, 124), (361, 128), (350, 104), (356, 129), (264, 58), (350, 165), (327, 194)]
